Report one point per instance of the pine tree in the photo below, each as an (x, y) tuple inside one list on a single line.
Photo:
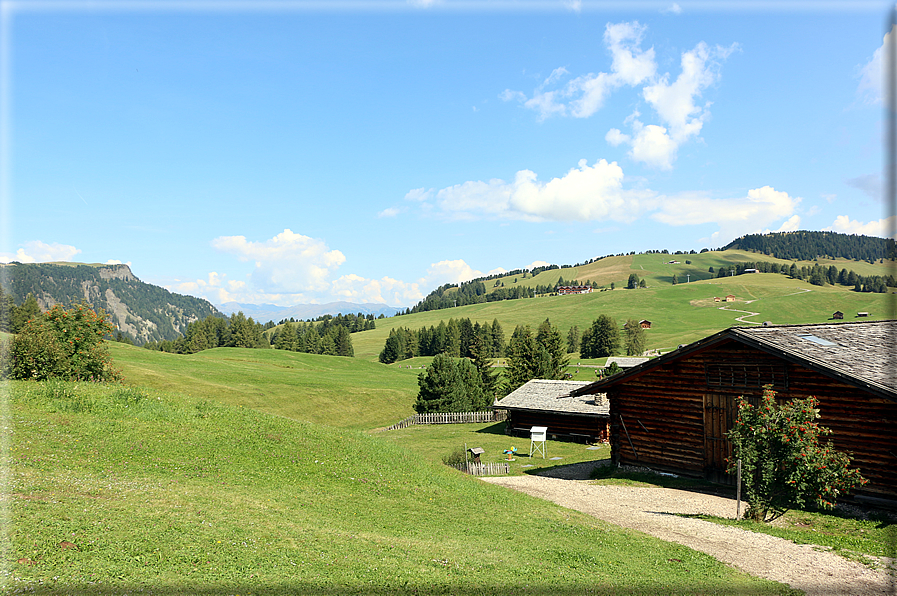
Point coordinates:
[(635, 338)]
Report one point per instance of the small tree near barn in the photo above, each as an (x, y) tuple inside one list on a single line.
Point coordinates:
[(784, 466)]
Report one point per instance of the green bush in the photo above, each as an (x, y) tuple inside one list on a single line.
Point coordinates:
[(456, 457), (63, 344), (783, 465)]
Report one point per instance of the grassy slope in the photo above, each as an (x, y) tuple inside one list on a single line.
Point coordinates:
[(180, 496), (681, 313), (343, 392)]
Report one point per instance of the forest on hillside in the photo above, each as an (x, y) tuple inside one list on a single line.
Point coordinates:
[(811, 245), (145, 312)]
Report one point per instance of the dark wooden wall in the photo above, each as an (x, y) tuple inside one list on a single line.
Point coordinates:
[(594, 428), (658, 418)]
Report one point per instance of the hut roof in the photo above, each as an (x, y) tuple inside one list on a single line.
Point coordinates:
[(855, 352), (553, 396), (625, 361)]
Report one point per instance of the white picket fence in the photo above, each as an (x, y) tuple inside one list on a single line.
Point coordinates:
[(452, 418), (493, 469)]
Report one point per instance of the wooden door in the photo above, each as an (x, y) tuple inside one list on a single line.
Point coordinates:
[(720, 412)]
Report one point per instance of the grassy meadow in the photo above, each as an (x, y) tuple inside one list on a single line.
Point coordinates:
[(330, 390), (680, 313), (119, 489)]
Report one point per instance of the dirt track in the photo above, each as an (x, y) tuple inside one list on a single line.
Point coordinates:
[(649, 510)]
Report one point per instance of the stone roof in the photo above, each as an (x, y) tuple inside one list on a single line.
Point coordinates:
[(858, 352), (553, 396), (625, 361)]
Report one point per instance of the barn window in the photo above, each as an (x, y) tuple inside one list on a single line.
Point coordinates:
[(746, 375)]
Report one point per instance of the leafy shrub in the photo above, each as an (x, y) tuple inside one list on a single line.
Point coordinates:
[(783, 465), (456, 457), (63, 344)]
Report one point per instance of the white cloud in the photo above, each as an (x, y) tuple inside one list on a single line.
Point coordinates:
[(586, 94), (287, 263), (36, 251), (535, 264), (355, 288), (830, 197), (652, 145), (497, 271), (672, 9), (117, 262), (585, 193), (449, 272), (792, 224), (389, 212), (418, 194), (881, 228), (872, 73), (675, 104), (735, 217)]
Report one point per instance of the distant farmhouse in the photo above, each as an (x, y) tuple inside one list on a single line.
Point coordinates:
[(562, 290), (672, 413), (837, 315), (549, 403), (645, 324)]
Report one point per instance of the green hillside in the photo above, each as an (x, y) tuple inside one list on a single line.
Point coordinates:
[(332, 390), (127, 490), (680, 313)]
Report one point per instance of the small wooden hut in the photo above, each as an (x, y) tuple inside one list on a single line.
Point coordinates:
[(549, 403)]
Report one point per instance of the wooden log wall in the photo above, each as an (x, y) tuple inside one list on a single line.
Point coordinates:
[(662, 411), (595, 428)]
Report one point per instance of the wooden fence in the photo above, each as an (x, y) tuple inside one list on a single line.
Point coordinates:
[(452, 418), (493, 469)]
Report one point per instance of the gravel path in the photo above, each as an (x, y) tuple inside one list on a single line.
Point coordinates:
[(803, 567)]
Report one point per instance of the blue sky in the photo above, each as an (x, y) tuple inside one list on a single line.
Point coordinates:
[(296, 152)]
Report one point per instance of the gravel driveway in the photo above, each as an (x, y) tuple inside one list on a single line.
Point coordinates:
[(649, 510)]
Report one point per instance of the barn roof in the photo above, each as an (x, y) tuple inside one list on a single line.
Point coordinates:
[(856, 353), (553, 396)]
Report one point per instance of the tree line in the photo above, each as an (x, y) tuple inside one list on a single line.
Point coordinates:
[(818, 275), (329, 335), (810, 245), (457, 338)]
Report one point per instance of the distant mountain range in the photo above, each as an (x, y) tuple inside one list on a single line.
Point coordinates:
[(263, 313)]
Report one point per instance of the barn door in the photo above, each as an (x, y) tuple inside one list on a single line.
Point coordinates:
[(720, 412)]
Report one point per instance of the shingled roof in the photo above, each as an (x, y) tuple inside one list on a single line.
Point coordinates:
[(553, 396), (859, 353)]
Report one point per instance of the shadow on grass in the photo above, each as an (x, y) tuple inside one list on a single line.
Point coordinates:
[(578, 471), (496, 429)]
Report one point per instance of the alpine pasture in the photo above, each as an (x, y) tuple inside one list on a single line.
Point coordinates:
[(252, 471)]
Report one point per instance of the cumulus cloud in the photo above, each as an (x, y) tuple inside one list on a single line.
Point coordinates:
[(584, 95), (585, 193), (676, 105), (355, 288), (36, 251), (883, 228), (117, 262), (288, 262), (735, 216), (871, 74), (389, 212)]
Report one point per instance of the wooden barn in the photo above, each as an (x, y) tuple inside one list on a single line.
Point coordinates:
[(672, 413), (645, 324), (549, 403)]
